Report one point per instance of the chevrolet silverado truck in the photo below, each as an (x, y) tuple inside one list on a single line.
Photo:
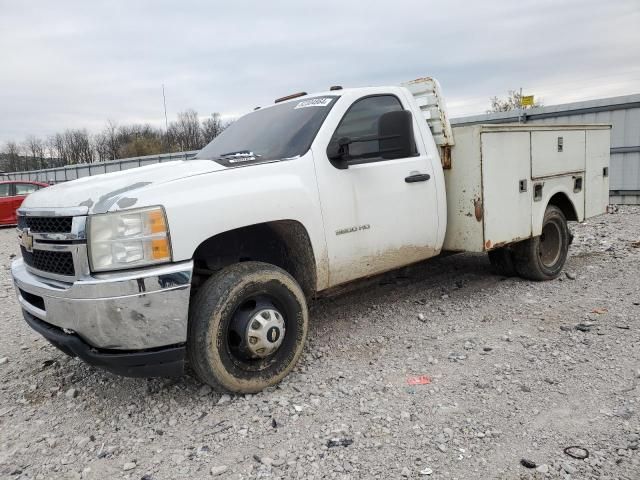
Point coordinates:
[(212, 261)]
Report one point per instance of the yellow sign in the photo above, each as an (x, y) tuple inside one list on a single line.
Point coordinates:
[(526, 100)]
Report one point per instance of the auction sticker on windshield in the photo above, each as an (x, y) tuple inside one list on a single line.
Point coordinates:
[(314, 102)]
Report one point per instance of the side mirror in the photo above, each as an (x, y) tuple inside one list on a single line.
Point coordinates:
[(395, 134), (338, 152)]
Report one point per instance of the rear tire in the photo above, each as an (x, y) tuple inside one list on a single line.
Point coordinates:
[(247, 327), (502, 261), (543, 257)]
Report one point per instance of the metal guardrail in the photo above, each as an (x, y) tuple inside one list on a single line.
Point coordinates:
[(72, 172)]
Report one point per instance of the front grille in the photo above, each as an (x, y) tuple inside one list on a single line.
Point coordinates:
[(60, 263), (46, 224)]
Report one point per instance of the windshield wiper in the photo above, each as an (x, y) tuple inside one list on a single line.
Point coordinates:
[(240, 156), (240, 153)]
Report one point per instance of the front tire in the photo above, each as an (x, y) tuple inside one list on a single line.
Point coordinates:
[(247, 327), (543, 258)]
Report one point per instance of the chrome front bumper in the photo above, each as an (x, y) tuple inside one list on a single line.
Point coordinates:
[(129, 310)]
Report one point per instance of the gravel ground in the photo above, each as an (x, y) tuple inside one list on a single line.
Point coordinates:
[(512, 378)]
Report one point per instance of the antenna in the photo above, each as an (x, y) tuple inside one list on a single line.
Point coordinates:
[(164, 100)]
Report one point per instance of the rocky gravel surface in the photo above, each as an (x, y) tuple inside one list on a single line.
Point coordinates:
[(518, 372)]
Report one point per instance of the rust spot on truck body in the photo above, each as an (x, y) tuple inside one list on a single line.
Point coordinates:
[(446, 157), (478, 208), (493, 246)]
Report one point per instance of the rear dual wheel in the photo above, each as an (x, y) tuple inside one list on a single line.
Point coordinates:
[(247, 328), (538, 258)]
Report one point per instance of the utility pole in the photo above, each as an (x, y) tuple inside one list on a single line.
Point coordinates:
[(164, 100), (520, 107)]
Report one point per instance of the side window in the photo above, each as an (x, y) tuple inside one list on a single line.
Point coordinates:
[(5, 189), (25, 188), (361, 120)]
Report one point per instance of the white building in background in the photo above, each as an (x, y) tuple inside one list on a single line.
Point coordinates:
[(623, 113)]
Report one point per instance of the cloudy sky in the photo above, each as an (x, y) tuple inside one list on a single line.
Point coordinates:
[(74, 64)]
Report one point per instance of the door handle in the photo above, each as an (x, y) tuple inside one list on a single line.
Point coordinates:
[(418, 177)]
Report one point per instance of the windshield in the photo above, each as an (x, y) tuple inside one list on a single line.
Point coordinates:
[(282, 131)]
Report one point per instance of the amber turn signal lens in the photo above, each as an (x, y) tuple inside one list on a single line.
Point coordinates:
[(160, 249), (156, 221)]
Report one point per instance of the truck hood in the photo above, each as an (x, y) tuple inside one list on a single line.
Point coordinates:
[(117, 190)]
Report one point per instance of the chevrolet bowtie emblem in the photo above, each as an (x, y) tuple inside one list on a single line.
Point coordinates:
[(27, 240)]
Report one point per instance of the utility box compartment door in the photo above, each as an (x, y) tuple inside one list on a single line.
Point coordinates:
[(506, 185), (557, 152), (597, 173)]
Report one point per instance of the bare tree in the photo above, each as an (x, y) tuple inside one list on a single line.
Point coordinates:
[(111, 139), (52, 152), (58, 147), (512, 102), (139, 140), (100, 147), (141, 146), (185, 132), (77, 146), (12, 151), (211, 128), (35, 149)]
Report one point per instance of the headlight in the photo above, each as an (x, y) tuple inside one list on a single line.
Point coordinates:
[(128, 239)]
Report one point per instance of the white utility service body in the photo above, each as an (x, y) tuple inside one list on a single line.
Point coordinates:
[(504, 176), (358, 188)]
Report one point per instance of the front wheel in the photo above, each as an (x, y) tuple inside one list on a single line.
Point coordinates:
[(247, 327), (543, 257)]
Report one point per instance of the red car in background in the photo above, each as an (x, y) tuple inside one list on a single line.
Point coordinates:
[(12, 193)]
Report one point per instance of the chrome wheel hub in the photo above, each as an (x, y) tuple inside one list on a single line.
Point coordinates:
[(265, 332)]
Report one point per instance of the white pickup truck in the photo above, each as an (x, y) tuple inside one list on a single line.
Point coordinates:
[(213, 260)]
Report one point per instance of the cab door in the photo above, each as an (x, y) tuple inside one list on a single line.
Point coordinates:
[(7, 212), (379, 214)]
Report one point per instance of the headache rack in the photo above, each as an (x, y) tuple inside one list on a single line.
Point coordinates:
[(429, 98)]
